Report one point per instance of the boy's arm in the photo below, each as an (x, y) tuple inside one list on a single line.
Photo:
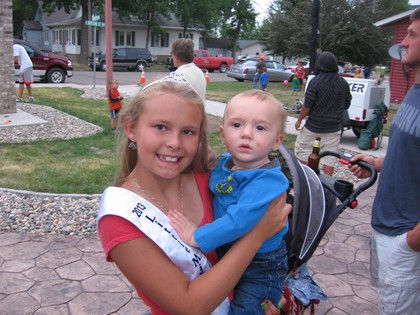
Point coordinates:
[(183, 226)]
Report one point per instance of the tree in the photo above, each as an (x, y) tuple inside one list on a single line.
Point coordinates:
[(237, 16), (50, 6), (203, 15), (22, 10), (145, 11), (345, 28)]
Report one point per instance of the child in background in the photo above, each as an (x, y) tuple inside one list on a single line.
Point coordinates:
[(358, 73), (264, 77), (114, 101), (296, 85), (244, 182)]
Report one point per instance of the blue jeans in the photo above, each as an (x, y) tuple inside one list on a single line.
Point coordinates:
[(255, 81), (263, 279)]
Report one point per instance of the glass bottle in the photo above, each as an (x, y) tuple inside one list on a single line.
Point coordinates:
[(313, 159)]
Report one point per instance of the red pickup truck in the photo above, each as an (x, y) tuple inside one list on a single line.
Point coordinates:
[(204, 60)]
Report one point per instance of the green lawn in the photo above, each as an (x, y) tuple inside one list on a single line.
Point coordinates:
[(87, 165)]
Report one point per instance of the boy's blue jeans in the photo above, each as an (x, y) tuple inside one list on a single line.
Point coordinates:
[(263, 279)]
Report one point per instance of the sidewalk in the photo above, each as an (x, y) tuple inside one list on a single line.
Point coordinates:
[(58, 274)]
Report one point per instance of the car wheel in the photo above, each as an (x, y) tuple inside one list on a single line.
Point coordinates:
[(102, 66), (356, 131), (56, 75), (140, 66), (223, 68)]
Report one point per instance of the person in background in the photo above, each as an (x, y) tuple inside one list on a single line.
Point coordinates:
[(264, 78), (114, 101), (22, 58), (260, 66), (366, 72), (183, 57), (244, 182), (326, 98), (295, 85), (395, 243), (163, 166), (300, 73), (358, 73)]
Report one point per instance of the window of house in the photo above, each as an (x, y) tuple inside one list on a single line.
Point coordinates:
[(130, 38), (157, 40), (46, 35), (186, 36), (123, 38)]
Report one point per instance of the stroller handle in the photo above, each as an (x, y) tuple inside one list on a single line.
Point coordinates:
[(346, 157)]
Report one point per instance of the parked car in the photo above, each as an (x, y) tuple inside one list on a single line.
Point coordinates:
[(128, 58), (246, 71), (47, 67)]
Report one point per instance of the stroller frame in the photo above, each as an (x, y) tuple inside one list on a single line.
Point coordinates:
[(317, 202)]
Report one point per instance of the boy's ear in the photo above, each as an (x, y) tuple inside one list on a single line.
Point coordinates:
[(222, 134), (278, 141)]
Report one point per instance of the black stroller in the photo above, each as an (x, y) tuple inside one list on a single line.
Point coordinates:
[(317, 202)]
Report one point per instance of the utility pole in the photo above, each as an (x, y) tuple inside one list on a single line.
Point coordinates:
[(314, 35), (108, 41)]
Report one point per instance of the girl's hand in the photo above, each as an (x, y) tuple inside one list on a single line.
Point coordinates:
[(183, 226), (275, 219)]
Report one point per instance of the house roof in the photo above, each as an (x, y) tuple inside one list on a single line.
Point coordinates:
[(117, 20), (32, 25), (394, 18), (244, 43)]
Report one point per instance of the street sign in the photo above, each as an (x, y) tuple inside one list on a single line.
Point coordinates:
[(95, 23), (95, 17)]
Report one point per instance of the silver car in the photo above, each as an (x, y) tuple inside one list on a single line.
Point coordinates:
[(245, 71)]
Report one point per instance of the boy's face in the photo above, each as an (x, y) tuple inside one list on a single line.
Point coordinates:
[(250, 131)]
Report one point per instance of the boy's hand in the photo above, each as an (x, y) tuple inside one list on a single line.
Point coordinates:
[(183, 226)]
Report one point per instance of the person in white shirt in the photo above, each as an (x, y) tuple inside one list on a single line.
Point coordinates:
[(26, 75), (183, 56)]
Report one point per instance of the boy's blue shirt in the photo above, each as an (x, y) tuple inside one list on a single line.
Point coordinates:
[(241, 198)]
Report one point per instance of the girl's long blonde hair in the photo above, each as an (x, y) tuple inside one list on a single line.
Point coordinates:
[(130, 114)]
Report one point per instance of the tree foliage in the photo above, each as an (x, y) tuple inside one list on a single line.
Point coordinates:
[(345, 28), (23, 10), (237, 16), (146, 11)]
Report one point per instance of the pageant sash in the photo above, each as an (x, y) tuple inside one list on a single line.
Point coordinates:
[(155, 224)]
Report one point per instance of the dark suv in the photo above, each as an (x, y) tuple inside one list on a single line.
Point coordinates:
[(47, 67), (129, 58)]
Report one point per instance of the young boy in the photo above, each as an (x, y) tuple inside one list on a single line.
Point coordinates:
[(244, 182), (264, 77), (114, 101), (296, 85)]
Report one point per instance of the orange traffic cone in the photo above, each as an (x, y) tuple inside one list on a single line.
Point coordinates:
[(142, 78), (207, 76)]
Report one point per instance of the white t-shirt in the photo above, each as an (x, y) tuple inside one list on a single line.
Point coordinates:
[(24, 59), (196, 77)]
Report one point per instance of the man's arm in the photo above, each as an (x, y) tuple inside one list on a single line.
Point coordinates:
[(413, 238)]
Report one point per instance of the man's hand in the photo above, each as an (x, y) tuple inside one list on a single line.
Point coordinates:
[(183, 226)]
